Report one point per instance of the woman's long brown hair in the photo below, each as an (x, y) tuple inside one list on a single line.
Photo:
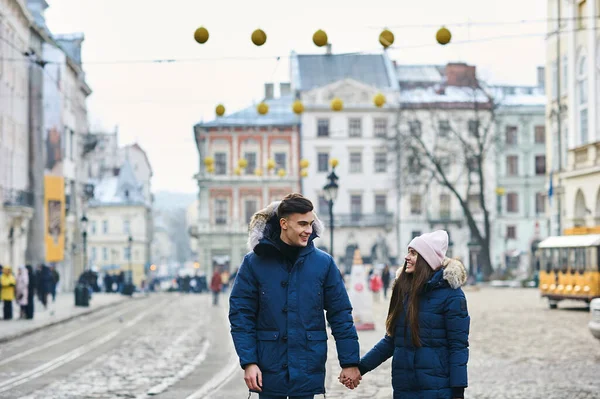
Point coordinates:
[(409, 286)]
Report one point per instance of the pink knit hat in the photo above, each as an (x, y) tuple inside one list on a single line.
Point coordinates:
[(432, 247)]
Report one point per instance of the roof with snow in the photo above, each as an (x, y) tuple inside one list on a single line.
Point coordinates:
[(310, 71), (420, 73), (448, 94), (120, 190), (280, 114)]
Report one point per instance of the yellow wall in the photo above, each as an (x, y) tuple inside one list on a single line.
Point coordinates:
[(54, 210)]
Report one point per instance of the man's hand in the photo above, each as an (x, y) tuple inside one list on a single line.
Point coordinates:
[(350, 377), (253, 377)]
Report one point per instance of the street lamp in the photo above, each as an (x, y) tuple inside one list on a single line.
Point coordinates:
[(84, 223), (330, 191)]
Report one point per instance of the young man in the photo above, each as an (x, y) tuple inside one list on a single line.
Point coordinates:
[(277, 303)]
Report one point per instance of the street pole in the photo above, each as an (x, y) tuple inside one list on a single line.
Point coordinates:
[(85, 262), (331, 226), (558, 118)]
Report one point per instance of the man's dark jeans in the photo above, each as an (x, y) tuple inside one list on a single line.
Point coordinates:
[(261, 396)]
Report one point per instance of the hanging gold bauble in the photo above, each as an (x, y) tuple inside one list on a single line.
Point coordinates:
[(320, 38), (334, 162), (298, 107), (281, 172), (271, 164), (237, 171), (220, 110), (262, 108), (259, 37), (242, 163), (210, 168), (258, 172), (443, 36), (304, 173), (386, 38), (209, 161), (304, 163), (337, 104), (201, 35), (379, 100)]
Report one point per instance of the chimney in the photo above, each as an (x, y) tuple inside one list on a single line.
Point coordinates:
[(328, 49), (460, 74), (285, 89), (269, 91), (541, 77)]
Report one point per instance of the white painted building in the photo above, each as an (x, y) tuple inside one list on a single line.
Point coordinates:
[(573, 75), (366, 205), (16, 198), (521, 175)]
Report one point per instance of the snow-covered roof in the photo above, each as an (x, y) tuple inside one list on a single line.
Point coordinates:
[(511, 96), (420, 73), (123, 189), (448, 94)]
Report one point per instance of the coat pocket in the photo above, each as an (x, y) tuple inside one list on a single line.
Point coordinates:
[(268, 353), (317, 350)]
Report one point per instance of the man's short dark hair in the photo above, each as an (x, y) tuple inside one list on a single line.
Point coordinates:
[(294, 203)]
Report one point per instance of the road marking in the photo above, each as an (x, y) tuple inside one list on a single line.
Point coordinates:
[(65, 337), (72, 355)]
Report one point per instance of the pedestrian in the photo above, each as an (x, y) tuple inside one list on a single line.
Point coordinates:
[(427, 327), (54, 282), (375, 284), (277, 305), (386, 276), (216, 285), (22, 290), (225, 279), (30, 291), (7, 292)]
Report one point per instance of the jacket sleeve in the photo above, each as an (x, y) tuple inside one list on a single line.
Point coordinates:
[(339, 316), (243, 310), (379, 354), (457, 332)]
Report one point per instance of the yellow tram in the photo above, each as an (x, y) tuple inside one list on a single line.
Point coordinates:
[(569, 268)]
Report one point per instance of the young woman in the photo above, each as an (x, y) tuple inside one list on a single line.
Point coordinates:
[(427, 328)]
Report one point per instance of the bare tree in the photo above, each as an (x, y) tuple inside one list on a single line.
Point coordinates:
[(449, 143)]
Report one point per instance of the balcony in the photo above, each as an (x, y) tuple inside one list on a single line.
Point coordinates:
[(445, 218), (386, 220), (17, 198), (586, 156)]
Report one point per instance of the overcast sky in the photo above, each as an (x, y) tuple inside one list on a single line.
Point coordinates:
[(156, 104)]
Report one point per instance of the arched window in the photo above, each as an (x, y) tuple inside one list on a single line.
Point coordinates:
[(582, 99)]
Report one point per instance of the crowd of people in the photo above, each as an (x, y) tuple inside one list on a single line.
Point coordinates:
[(20, 291)]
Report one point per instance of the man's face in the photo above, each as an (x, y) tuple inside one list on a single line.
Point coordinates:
[(297, 228)]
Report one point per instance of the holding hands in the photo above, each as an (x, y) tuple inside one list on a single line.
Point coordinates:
[(350, 377)]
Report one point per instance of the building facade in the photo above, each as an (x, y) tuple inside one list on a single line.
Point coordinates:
[(573, 127), (357, 136), (16, 197), (229, 193)]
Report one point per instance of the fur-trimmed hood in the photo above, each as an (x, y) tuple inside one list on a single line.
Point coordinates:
[(262, 220), (455, 272)]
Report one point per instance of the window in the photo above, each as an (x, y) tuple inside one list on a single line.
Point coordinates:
[(511, 135), (356, 207), (380, 204), (93, 253), (415, 128), (105, 227), (220, 163), (323, 205), (250, 157), (323, 162), (540, 165), (540, 134), (444, 206), (415, 204), (413, 165), (444, 128), (380, 127), (354, 127), (582, 95), (93, 227), (281, 160), (415, 233), (380, 162), (250, 209), (581, 18), (474, 128), (472, 164), (322, 127), (104, 253), (355, 162), (474, 203), (126, 227), (512, 165), (71, 143), (583, 125), (221, 211), (127, 253), (512, 202), (540, 203), (511, 232)]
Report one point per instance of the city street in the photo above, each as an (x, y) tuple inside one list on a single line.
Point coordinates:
[(178, 346)]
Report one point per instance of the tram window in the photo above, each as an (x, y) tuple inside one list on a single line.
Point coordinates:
[(547, 258), (573, 259), (580, 260), (593, 259), (564, 259), (555, 259)]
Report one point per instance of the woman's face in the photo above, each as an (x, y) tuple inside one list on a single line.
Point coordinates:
[(411, 260)]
